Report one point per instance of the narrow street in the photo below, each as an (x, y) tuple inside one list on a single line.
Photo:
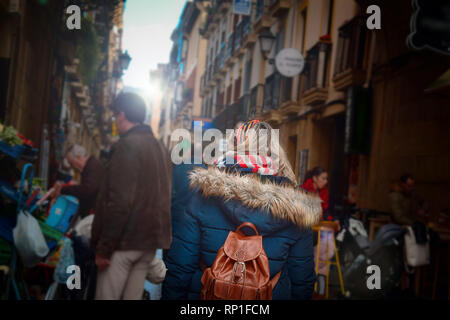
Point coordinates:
[(224, 150)]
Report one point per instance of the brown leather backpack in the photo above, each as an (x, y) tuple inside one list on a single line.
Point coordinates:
[(240, 270)]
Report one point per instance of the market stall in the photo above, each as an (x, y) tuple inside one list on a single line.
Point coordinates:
[(23, 217)]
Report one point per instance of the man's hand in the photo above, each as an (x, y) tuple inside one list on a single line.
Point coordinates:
[(57, 186), (102, 263)]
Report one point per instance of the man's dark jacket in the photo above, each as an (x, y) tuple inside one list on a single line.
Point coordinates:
[(87, 190), (133, 208)]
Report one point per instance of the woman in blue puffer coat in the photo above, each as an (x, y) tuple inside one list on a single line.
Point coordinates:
[(248, 188)]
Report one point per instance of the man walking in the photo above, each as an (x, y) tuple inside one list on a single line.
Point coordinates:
[(133, 210)]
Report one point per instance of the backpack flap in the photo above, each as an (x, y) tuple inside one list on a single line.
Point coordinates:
[(241, 248)]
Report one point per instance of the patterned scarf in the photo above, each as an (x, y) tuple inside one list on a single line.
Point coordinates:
[(248, 163)]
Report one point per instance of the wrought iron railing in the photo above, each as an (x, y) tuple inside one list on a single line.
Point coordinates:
[(259, 9), (351, 45), (246, 26), (316, 66), (230, 45), (238, 37), (272, 92), (222, 55)]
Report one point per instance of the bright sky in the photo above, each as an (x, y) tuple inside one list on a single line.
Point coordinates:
[(148, 25)]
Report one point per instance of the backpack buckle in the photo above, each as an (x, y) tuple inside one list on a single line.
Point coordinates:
[(242, 264)]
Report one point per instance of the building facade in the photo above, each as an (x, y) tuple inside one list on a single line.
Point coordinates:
[(57, 84), (360, 108), (179, 101)]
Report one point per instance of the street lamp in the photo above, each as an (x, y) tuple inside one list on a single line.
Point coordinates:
[(124, 59), (266, 41)]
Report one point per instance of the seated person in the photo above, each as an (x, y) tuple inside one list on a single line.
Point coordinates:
[(406, 205)]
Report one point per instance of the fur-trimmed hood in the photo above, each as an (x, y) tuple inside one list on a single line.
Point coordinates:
[(280, 199)]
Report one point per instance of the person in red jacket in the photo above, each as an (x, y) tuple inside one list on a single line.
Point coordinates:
[(316, 181)]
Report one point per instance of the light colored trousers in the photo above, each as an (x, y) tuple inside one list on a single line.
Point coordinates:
[(325, 237), (125, 277)]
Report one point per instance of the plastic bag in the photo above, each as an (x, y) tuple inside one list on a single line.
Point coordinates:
[(66, 258), (417, 255), (156, 271), (29, 240), (84, 227)]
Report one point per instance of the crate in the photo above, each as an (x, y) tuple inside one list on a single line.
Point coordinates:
[(18, 151), (49, 232), (62, 212), (12, 151)]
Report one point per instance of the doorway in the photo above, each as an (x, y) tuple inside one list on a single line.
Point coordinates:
[(338, 183)]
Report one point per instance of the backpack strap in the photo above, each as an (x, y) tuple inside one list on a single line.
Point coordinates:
[(249, 225), (275, 279), (203, 265)]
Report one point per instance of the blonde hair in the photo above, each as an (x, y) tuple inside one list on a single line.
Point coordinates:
[(260, 140)]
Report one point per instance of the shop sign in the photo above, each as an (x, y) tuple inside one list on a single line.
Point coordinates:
[(289, 62), (242, 7)]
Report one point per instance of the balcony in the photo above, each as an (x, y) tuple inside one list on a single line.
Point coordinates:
[(259, 9), (255, 103), (238, 37), (230, 50), (228, 118), (216, 73), (222, 59), (249, 37), (224, 5), (212, 20), (279, 8), (244, 110), (314, 80), (349, 68), (262, 17), (272, 92), (288, 107), (210, 73), (277, 102), (216, 64), (186, 103), (202, 85)]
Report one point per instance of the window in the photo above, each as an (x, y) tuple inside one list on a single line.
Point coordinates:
[(229, 94), (303, 15), (317, 60), (237, 89), (351, 45), (286, 89), (279, 42), (259, 9), (185, 49), (272, 92), (248, 75), (330, 15), (253, 102)]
